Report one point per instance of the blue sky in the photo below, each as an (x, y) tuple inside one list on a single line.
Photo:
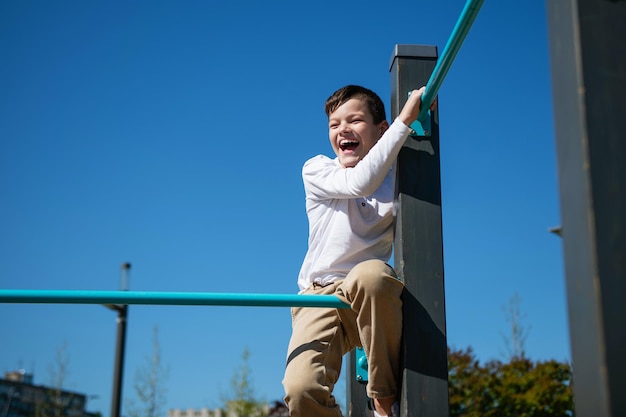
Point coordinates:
[(171, 135)]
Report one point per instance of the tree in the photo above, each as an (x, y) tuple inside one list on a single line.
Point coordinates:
[(467, 383), (520, 388), (150, 384), (523, 388), (517, 339), (243, 401), (53, 401), (59, 369)]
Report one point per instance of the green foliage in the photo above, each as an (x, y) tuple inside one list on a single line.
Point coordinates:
[(150, 384), (53, 401), (243, 401), (519, 388)]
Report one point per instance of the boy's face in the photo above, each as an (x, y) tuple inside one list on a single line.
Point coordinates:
[(352, 131)]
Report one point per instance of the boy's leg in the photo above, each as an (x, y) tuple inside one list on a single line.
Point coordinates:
[(314, 360), (373, 291)]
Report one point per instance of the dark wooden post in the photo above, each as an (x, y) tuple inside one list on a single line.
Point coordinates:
[(418, 246), (356, 395), (418, 250), (588, 54)]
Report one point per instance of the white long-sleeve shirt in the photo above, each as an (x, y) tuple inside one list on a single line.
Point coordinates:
[(350, 210)]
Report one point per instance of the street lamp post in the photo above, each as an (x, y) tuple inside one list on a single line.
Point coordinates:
[(122, 318)]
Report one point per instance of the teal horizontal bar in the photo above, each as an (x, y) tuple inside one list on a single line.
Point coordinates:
[(168, 298), (462, 27)]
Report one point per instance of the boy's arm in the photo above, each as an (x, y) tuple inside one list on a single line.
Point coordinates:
[(324, 178)]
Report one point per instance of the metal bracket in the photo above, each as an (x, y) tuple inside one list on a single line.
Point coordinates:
[(421, 128), (361, 365)]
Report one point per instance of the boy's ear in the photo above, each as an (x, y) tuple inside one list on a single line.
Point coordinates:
[(384, 125)]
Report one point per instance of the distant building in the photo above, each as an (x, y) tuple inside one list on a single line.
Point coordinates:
[(19, 397), (278, 409), (19, 376), (200, 412)]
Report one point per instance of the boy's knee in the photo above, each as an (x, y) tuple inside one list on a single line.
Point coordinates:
[(298, 383), (374, 276), (300, 394), (373, 268), (294, 392)]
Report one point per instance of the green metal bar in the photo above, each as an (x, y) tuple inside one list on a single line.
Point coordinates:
[(168, 298), (463, 25)]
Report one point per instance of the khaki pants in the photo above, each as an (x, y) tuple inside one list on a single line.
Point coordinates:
[(321, 336)]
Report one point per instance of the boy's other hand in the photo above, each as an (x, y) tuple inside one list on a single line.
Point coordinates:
[(411, 108)]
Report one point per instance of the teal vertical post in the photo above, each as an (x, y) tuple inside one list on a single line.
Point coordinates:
[(418, 246)]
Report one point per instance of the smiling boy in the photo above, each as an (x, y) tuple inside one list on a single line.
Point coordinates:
[(349, 204)]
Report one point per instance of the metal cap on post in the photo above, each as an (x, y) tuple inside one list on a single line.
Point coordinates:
[(419, 246)]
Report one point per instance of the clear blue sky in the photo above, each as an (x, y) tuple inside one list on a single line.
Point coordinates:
[(171, 135)]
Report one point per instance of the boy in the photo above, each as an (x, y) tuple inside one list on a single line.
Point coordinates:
[(349, 204)]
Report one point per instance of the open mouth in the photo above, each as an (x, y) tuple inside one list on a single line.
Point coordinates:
[(348, 145)]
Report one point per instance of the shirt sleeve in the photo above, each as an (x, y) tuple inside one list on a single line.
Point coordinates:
[(325, 178)]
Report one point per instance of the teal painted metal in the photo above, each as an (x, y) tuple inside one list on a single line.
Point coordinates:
[(462, 27), (168, 298), (361, 365)]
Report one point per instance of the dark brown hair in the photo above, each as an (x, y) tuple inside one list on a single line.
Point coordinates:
[(374, 103)]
